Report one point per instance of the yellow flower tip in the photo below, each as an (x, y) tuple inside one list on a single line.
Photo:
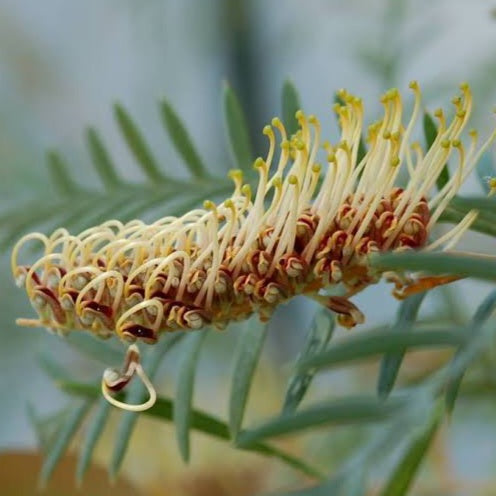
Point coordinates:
[(259, 163), (246, 190), (461, 114), (446, 143), (473, 133), (267, 130), (331, 158), (316, 168), (395, 162), (457, 143), (386, 134), (285, 145), (229, 203), (299, 115), (336, 108), (464, 86), (235, 174), (491, 181), (439, 113), (276, 122), (209, 205), (414, 85), (293, 180), (312, 119)]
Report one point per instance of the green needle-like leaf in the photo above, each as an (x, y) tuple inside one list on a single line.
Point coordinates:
[(250, 346), (316, 341), (483, 313), (403, 475), (430, 133), (290, 105), (480, 267), (135, 394), (379, 342), (64, 437), (182, 141), (485, 169), (184, 391), (391, 362), (59, 171), (342, 411), (94, 348), (101, 160), (137, 144), (237, 130), (91, 437), (201, 421)]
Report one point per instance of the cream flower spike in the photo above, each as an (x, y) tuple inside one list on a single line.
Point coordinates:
[(306, 226)]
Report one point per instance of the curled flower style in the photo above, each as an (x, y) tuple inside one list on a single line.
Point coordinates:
[(306, 227)]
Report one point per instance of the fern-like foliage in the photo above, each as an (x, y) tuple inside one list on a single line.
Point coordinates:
[(409, 417)]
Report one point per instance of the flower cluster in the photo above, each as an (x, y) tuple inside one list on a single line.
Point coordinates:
[(305, 227)]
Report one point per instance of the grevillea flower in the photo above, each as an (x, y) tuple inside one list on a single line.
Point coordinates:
[(306, 227)]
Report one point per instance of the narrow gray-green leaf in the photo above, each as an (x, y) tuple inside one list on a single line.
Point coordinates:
[(483, 312), (137, 144), (91, 437), (182, 141), (405, 471), (237, 130), (135, 394), (485, 169), (46, 427), (481, 224), (316, 341), (249, 347), (480, 267), (290, 105), (430, 133), (59, 171), (94, 348), (64, 437), (373, 343), (101, 160), (184, 391), (342, 411), (200, 421), (391, 362)]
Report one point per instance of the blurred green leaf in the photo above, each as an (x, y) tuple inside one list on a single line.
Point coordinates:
[(63, 439), (391, 362), (135, 394), (405, 471), (59, 172), (342, 411), (91, 437), (482, 314), (237, 130), (318, 336), (47, 427), (184, 391), (92, 347), (379, 342), (101, 160), (479, 267), (137, 144), (182, 141), (485, 169), (201, 421), (430, 133), (249, 347), (290, 105)]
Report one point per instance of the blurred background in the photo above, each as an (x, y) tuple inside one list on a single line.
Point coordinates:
[(62, 66)]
